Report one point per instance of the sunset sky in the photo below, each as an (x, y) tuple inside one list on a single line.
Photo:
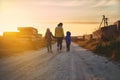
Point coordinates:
[(43, 13)]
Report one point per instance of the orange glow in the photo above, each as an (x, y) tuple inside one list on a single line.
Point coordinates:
[(15, 13)]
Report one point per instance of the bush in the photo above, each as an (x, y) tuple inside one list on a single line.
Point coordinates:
[(108, 50)]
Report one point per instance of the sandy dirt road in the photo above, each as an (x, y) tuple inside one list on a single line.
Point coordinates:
[(78, 64)]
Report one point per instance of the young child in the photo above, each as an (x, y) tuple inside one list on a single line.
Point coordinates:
[(68, 40), (48, 38)]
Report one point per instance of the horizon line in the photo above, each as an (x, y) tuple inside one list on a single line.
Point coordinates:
[(76, 22)]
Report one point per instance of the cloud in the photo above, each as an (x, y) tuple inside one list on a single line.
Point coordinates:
[(65, 3), (69, 3), (107, 4), (72, 9)]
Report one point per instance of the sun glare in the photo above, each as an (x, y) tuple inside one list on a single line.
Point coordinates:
[(34, 13)]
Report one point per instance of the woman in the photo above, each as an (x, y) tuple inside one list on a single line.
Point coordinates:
[(59, 34)]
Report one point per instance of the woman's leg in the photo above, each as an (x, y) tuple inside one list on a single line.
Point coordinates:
[(57, 44), (61, 43)]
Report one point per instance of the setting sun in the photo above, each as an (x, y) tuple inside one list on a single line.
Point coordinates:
[(48, 13)]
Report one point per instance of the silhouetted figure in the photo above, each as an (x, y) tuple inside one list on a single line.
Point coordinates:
[(59, 34), (68, 40), (48, 38)]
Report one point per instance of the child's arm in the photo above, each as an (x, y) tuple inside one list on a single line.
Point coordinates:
[(52, 35)]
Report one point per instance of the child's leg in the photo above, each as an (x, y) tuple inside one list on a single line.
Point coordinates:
[(50, 48), (68, 47)]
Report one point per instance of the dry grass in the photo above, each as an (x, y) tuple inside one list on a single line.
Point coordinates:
[(8, 48), (88, 44), (110, 49)]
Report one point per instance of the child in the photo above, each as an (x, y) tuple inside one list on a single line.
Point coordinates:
[(68, 40), (48, 38)]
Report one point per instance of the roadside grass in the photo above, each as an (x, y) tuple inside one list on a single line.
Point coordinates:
[(88, 44), (8, 48), (109, 49)]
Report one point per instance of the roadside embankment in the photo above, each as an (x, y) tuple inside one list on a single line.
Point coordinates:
[(8, 48), (109, 49)]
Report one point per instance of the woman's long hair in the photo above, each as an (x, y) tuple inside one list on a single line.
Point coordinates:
[(60, 24)]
